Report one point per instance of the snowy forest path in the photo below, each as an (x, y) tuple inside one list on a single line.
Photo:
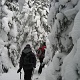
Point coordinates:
[(13, 75)]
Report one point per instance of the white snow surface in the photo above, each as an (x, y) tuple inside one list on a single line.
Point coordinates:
[(13, 75)]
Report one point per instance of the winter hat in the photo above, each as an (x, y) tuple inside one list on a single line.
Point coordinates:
[(28, 46), (27, 49)]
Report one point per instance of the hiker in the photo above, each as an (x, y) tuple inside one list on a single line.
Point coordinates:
[(41, 55), (27, 62)]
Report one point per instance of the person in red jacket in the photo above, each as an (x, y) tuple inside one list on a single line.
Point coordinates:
[(41, 55)]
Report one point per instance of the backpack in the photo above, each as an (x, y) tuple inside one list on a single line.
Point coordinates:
[(41, 53), (28, 62)]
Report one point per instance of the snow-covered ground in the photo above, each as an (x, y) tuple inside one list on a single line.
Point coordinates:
[(13, 75)]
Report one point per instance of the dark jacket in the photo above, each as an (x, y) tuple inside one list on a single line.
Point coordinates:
[(27, 52)]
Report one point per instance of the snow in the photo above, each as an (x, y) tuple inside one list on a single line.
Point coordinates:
[(64, 21), (74, 1), (51, 15), (59, 16), (9, 14), (21, 4), (13, 31), (48, 52), (13, 75), (2, 2), (5, 22), (70, 12), (75, 33), (70, 61)]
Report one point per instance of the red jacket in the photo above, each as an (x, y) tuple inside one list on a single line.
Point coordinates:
[(41, 52)]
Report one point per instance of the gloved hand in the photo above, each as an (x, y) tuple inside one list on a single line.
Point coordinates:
[(18, 70), (34, 66), (42, 64)]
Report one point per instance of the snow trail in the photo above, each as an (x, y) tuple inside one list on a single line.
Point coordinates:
[(13, 75)]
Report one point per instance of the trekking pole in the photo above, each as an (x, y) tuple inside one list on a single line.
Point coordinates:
[(32, 74), (20, 75)]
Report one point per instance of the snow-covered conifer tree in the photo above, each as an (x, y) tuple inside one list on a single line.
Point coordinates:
[(64, 20), (21, 22)]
